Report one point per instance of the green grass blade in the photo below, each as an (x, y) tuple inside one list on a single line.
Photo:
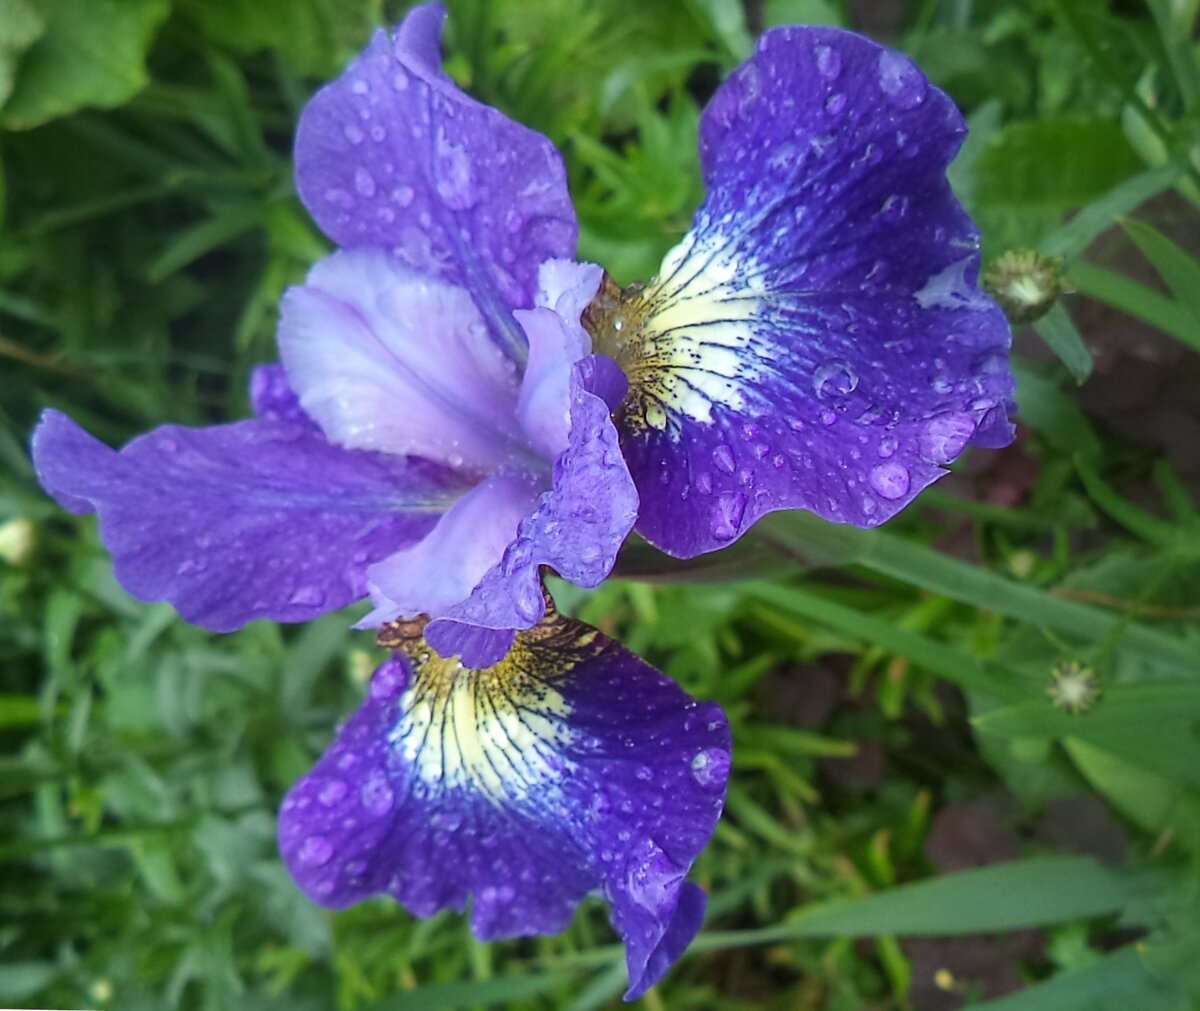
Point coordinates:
[(1136, 299), (1010, 896)]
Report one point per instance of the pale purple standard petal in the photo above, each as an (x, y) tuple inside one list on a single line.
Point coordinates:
[(390, 360), (439, 572), (257, 519), (576, 528), (569, 768), (393, 155), (818, 340), (557, 340)]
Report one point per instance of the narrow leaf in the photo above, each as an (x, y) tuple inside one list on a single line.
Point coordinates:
[(1058, 331)]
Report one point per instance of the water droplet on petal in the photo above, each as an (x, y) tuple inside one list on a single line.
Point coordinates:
[(834, 378), (900, 80), (360, 87), (308, 596), (364, 182), (891, 480), (829, 63), (332, 792), (446, 819), (887, 446), (403, 195), (710, 768), (400, 80), (835, 103), (722, 458), (828, 417), (353, 134), (726, 517), (644, 773), (704, 483), (377, 796), (945, 436), (315, 851)]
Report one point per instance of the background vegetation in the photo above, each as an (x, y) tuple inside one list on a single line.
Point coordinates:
[(911, 822)]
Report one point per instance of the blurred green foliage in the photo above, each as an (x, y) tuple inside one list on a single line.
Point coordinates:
[(889, 700)]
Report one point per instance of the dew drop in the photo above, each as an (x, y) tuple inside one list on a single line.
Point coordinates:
[(887, 446), (829, 63), (828, 417), (332, 792), (869, 505), (726, 517), (891, 480), (446, 819), (353, 134), (835, 103), (360, 87), (364, 182), (400, 80), (308, 596), (339, 198), (900, 80), (710, 768), (704, 483), (945, 436), (644, 773), (315, 851), (722, 458), (377, 796), (834, 378)]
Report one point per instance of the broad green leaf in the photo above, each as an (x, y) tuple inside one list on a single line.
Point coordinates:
[(1118, 982), (470, 993), (93, 53), (1147, 707), (1012, 896), (1058, 331), (20, 26), (1180, 271), (21, 980), (1057, 162)]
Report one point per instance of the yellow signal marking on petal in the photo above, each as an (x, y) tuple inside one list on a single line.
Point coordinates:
[(682, 339), (498, 732)]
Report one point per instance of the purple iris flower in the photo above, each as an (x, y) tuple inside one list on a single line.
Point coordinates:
[(460, 404)]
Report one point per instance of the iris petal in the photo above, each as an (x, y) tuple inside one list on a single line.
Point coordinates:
[(387, 359), (257, 519), (568, 768), (818, 339), (393, 155), (576, 527)]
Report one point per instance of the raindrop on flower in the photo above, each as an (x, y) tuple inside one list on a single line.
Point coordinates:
[(891, 480)]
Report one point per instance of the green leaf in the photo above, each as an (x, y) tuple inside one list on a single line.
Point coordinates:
[(1010, 896), (1071, 239), (1057, 162), (1058, 331), (1146, 707), (1054, 415), (447, 996), (20, 980), (93, 53), (1117, 982), (1180, 271), (20, 27), (314, 37), (1130, 296)]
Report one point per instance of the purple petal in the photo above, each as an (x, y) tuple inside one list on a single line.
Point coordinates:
[(258, 519), (272, 396), (570, 767), (818, 339), (393, 155), (576, 529), (385, 359), (557, 341), (440, 571)]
